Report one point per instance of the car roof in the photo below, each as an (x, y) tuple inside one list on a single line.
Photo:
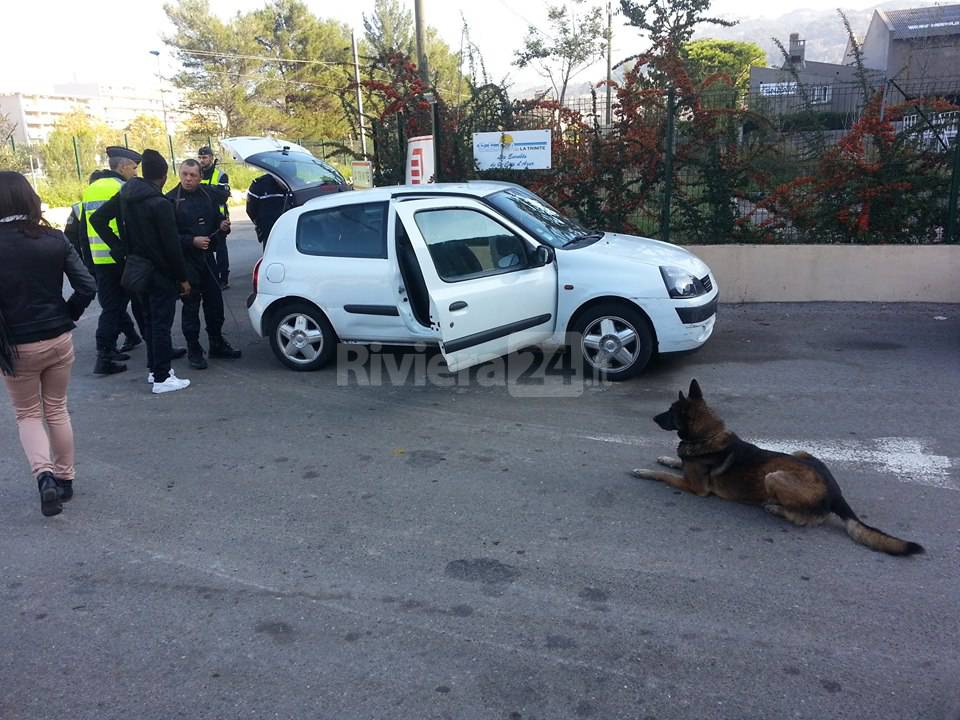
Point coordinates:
[(478, 188)]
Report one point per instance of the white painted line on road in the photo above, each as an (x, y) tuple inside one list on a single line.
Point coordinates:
[(906, 458)]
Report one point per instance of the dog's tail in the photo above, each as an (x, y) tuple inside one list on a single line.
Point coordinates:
[(874, 539)]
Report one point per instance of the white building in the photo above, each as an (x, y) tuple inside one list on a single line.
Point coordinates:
[(34, 114)]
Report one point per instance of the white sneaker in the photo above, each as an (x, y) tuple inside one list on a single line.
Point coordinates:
[(171, 384)]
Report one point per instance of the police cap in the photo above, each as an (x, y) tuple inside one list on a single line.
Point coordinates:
[(205, 150), (116, 151)]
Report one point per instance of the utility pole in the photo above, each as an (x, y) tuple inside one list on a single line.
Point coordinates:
[(163, 102), (609, 62), (356, 79), (421, 41)]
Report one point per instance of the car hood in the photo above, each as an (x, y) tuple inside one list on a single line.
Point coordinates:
[(646, 251)]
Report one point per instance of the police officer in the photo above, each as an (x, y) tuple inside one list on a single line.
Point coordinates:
[(76, 231), (217, 180), (202, 228), (266, 202), (113, 298)]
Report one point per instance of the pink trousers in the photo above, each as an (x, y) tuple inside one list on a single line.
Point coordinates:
[(39, 393)]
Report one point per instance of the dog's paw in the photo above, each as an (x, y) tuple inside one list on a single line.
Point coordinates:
[(670, 462), (645, 474)]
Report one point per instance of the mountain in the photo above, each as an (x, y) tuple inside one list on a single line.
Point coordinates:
[(822, 29)]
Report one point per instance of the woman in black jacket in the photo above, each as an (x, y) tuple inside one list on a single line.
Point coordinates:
[(36, 347)]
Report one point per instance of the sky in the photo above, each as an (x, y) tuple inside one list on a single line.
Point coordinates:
[(118, 35)]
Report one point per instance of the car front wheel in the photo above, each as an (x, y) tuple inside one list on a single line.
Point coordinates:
[(302, 338), (615, 341)]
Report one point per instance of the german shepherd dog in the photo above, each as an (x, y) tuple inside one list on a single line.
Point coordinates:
[(798, 487)]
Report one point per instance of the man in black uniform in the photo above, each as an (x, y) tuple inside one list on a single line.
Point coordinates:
[(76, 231), (266, 202), (214, 177), (201, 226)]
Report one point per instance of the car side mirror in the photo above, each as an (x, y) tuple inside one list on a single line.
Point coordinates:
[(543, 256)]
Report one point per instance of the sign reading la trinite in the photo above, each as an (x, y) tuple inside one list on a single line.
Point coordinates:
[(517, 150)]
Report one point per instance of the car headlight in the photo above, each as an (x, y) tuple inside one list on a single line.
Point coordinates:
[(680, 283)]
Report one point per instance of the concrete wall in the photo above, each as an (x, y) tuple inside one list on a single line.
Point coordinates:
[(834, 273)]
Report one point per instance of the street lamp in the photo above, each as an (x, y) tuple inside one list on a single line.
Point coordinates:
[(163, 102)]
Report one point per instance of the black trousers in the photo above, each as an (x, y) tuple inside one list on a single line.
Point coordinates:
[(223, 261), (126, 322), (113, 302), (206, 292), (159, 309)]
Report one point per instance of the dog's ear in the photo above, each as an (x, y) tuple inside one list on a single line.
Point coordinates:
[(695, 392), (682, 398)]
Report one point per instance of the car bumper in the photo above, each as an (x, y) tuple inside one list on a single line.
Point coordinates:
[(684, 325), (256, 308)]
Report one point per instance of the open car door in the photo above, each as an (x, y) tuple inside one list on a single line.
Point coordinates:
[(493, 288), (304, 175)]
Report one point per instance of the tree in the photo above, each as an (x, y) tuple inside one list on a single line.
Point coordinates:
[(278, 69), (219, 70), (11, 156), (572, 44), (670, 24), (389, 30), (313, 66), (60, 155), (146, 131), (729, 58)]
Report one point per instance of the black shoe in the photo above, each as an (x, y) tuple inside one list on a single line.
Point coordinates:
[(220, 348), (66, 489), (129, 343), (117, 355), (49, 495), (178, 353), (195, 357), (106, 366)]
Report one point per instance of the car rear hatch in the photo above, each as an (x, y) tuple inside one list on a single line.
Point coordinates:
[(293, 165)]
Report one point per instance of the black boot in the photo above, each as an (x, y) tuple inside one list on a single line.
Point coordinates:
[(106, 366), (220, 348), (117, 355), (195, 356), (49, 495), (66, 489), (129, 343), (178, 352)]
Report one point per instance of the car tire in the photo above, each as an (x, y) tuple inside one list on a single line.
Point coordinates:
[(301, 337), (614, 340)]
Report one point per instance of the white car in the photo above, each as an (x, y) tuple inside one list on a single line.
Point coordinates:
[(480, 269)]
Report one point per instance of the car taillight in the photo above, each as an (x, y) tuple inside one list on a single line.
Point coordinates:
[(256, 275)]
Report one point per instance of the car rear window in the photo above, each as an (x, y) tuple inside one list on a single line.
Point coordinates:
[(355, 231), (297, 169)]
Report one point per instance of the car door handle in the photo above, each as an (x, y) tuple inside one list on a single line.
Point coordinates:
[(458, 305)]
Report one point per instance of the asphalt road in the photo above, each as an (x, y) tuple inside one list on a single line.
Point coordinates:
[(271, 544)]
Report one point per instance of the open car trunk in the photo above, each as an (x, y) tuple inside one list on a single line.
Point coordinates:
[(304, 175)]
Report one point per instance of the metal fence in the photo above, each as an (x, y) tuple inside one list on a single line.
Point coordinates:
[(781, 167)]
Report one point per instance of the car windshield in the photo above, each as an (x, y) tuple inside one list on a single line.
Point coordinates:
[(537, 217), (297, 169)]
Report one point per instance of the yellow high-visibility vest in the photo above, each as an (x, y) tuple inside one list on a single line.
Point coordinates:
[(96, 194), (214, 179)]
